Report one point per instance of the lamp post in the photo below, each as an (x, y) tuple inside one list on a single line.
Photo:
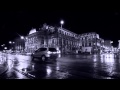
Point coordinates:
[(62, 23)]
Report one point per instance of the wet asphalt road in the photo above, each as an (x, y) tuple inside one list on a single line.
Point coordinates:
[(67, 67)]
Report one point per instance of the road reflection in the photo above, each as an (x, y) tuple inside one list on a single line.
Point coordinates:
[(3, 58), (13, 63), (48, 70), (105, 65)]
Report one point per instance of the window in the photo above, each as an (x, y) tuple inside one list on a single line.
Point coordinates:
[(42, 40), (42, 49), (67, 34), (89, 44), (82, 39), (52, 41), (52, 49), (85, 44)]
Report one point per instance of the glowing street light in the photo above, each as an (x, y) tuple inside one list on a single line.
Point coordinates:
[(10, 42), (62, 22), (5, 48), (22, 37)]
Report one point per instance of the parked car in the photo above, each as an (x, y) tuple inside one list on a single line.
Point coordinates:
[(46, 54)]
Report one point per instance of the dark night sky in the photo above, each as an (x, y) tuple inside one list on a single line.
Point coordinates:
[(105, 23)]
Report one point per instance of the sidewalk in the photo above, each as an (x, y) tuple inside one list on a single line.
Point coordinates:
[(3, 64), (3, 69)]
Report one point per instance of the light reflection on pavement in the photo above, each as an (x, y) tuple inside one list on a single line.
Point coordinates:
[(103, 66)]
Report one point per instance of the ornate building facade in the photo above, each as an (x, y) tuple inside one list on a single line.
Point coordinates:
[(19, 45), (108, 46), (64, 40), (90, 42), (49, 36)]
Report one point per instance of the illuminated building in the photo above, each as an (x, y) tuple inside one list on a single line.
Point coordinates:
[(19, 45), (49, 36), (108, 46), (64, 40), (90, 43)]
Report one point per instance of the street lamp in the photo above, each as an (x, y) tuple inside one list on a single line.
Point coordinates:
[(22, 37), (5, 48), (10, 42), (3, 45), (61, 22)]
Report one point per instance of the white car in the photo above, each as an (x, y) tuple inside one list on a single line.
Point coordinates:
[(46, 53)]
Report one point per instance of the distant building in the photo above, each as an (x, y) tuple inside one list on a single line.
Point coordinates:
[(102, 48), (64, 40), (19, 45), (115, 50), (108, 46), (49, 36), (90, 43)]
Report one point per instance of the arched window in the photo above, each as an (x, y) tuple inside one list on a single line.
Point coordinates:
[(89, 44)]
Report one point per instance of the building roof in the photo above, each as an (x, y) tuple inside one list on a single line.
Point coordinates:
[(32, 31)]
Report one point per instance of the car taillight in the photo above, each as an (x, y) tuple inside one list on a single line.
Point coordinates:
[(49, 52)]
